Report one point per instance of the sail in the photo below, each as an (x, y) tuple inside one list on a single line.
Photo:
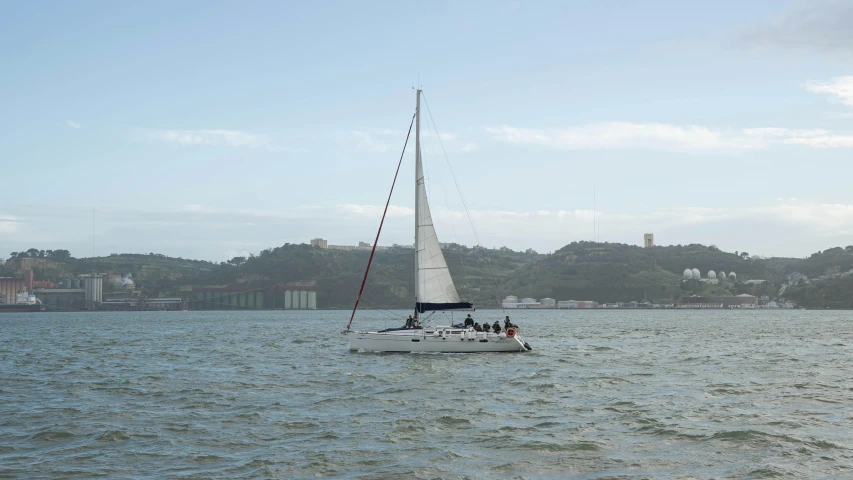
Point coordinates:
[(435, 289)]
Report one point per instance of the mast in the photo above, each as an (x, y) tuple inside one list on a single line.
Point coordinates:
[(418, 179)]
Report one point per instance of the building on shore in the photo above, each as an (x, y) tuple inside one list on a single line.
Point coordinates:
[(9, 288), (237, 297), (577, 304), (742, 300), (62, 299), (513, 302), (94, 287), (547, 303)]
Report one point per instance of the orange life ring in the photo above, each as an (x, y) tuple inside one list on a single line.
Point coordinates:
[(510, 332)]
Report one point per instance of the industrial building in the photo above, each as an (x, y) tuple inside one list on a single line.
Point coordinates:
[(62, 299), (137, 303), (577, 304), (742, 300), (547, 303), (238, 298), (93, 285), (9, 288)]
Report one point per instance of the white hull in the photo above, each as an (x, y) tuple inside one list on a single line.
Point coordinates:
[(438, 339)]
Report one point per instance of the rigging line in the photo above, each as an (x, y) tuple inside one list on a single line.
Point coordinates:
[(380, 310), (450, 211), (464, 203), (381, 222)]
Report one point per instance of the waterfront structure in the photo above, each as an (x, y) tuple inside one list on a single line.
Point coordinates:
[(547, 303), (137, 303), (733, 277), (9, 288), (226, 297), (524, 303), (688, 274), (62, 299), (742, 300), (577, 304), (511, 301), (94, 287), (648, 240)]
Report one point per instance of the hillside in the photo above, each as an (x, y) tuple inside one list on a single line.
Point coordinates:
[(607, 272), (604, 272)]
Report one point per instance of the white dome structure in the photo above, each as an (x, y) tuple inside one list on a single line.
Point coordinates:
[(722, 275), (712, 275), (688, 274), (696, 274), (732, 276)]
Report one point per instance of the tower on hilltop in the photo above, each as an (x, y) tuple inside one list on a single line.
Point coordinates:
[(648, 240)]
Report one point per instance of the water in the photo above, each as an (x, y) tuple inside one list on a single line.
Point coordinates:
[(604, 394)]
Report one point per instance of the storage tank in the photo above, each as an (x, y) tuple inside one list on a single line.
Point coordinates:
[(75, 283), (312, 300), (66, 283), (288, 303), (303, 299), (94, 285)]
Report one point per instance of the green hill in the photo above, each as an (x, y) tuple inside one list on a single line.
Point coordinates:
[(604, 272)]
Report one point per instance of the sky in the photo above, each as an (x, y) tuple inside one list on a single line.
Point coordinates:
[(210, 130)]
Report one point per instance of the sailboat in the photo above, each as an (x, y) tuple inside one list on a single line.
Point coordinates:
[(434, 289)]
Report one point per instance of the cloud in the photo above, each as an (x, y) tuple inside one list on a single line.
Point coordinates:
[(374, 211), (656, 136), (365, 140), (73, 124), (838, 115), (816, 138), (385, 139), (609, 135), (839, 89), (8, 223), (820, 26), (226, 138), (786, 225)]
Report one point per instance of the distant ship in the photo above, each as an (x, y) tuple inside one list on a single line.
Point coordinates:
[(24, 302)]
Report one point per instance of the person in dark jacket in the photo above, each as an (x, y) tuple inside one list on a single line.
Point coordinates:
[(410, 322), (496, 327), (508, 324), (469, 322), (477, 327), (486, 327)]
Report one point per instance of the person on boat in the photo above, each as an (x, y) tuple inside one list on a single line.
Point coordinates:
[(508, 324), (410, 322), (496, 327), (477, 327), (416, 323), (486, 327), (469, 322)]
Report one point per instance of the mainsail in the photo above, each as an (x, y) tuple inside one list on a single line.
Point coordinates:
[(434, 287)]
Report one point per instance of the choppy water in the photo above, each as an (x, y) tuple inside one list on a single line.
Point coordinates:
[(616, 394)]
